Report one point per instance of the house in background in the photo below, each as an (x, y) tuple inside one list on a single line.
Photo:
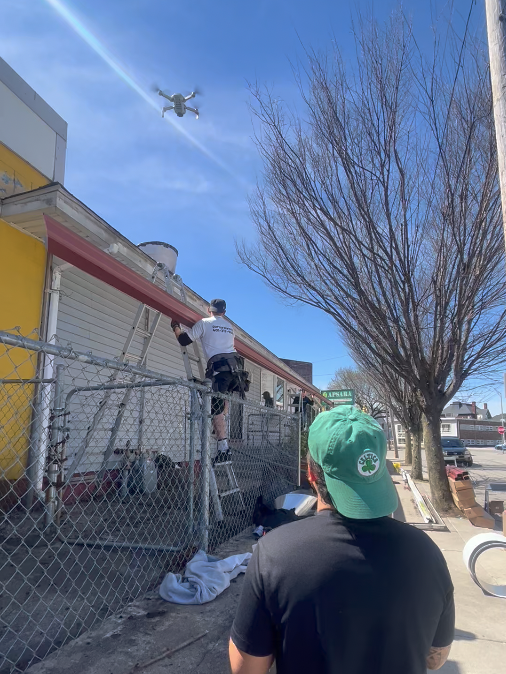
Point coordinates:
[(471, 424), (458, 410), (474, 425)]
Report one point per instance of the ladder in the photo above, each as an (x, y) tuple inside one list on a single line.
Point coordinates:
[(225, 467), (194, 357), (146, 332), (127, 354), (227, 471)]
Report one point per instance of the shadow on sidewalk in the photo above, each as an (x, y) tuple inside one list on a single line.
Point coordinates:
[(464, 636)]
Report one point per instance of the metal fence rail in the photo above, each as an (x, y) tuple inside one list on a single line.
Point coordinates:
[(106, 484)]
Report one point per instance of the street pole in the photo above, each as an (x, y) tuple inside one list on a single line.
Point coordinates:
[(496, 32), (502, 419), (502, 413)]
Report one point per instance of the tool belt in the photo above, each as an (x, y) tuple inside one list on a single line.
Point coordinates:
[(230, 362)]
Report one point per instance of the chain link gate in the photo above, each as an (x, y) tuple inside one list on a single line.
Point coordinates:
[(106, 484)]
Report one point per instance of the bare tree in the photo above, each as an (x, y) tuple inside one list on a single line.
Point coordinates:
[(379, 205), (397, 394), (366, 393)]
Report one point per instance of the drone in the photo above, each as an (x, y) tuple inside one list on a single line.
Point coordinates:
[(179, 102)]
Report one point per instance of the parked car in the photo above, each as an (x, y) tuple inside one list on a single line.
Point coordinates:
[(501, 447), (454, 450)]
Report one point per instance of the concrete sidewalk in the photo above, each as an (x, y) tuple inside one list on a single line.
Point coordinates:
[(480, 641)]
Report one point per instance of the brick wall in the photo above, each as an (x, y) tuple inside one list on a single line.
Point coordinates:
[(302, 368), (479, 431)]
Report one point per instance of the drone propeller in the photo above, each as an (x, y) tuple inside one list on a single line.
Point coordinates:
[(156, 89), (198, 91)]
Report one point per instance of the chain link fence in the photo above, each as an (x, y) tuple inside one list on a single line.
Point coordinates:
[(108, 480)]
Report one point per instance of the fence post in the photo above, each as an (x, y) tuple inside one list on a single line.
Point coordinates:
[(34, 445), (191, 463), (140, 425), (206, 466), (54, 447)]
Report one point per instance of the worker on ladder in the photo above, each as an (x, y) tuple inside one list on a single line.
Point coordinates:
[(225, 368)]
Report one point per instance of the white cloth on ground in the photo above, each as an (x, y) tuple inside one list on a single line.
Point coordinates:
[(204, 578)]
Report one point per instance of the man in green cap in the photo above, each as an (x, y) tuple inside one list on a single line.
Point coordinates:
[(351, 590)]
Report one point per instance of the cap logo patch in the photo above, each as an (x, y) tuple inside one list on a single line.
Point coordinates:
[(368, 463)]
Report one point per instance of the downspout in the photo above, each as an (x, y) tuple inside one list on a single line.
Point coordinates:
[(48, 373), (34, 440)]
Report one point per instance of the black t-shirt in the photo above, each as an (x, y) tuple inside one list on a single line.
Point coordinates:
[(333, 595)]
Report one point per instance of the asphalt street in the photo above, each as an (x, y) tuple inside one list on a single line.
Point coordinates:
[(489, 465)]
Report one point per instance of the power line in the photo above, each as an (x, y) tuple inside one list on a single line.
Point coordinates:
[(324, 360)]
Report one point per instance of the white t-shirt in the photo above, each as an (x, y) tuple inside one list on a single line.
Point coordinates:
[(216, 335)]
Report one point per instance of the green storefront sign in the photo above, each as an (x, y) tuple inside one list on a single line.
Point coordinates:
[(340, 397)]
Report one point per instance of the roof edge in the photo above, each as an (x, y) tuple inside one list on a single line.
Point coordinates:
[(73, 248)]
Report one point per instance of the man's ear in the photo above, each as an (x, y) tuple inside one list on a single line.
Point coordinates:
[(310, 475)]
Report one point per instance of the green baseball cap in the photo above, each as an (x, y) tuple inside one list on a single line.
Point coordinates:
[(351, 448)]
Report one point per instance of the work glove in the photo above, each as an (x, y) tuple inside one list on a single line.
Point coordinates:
[(175, 324)]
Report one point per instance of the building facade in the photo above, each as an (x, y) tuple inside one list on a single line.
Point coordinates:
[(32, 154), (70, 277), (470, 423), (303, 368)]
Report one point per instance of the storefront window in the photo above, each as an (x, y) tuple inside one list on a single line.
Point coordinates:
[(280, 393)]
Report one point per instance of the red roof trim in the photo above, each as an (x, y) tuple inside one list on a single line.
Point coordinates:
[(71, 247)]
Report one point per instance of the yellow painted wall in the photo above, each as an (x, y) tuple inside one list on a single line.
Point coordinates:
[(16, 175), (22, 274)]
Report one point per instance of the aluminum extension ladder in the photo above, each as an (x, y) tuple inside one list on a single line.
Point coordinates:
[(225, 467), (228, 473), (146, 332)]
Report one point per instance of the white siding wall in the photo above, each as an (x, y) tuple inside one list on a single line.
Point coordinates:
[(449, 428), (95, 317), (254, 394)]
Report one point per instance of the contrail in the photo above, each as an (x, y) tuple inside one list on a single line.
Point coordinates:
[(106, 55)]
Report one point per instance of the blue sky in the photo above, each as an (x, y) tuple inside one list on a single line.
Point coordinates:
[(143, 176)]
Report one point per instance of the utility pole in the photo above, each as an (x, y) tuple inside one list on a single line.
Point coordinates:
[(502, 421), (502, 417), (496, 32)]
